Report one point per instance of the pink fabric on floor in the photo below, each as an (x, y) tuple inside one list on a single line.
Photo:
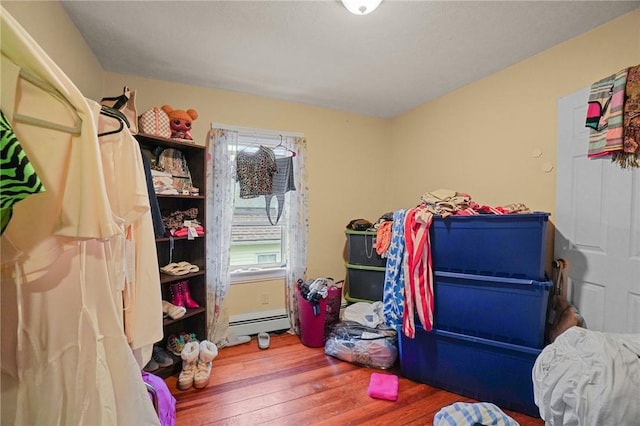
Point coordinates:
[(383, 386)]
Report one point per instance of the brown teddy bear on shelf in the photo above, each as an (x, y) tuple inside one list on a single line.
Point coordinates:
[(180, 122)]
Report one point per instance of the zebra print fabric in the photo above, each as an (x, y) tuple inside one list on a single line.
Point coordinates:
[(18, 179)]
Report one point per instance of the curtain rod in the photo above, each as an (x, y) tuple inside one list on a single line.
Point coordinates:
[(257, 132)]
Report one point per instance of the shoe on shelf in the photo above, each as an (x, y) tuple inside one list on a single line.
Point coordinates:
[(179, 268), (175, 344), (186, 295), (162, 358), (151, 366), (176, 295), (208, 351), (174, 269), (189, 356), (190, 267), (188, 337), (264, 340), (173, 311)]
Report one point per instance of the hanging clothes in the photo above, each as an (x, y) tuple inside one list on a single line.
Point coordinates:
[(604, 115), (156, 216), (255, 172), (631, 122), (136, 260), (393, 291), (418, 283), (18, 179), (282, 183), (64, 356)]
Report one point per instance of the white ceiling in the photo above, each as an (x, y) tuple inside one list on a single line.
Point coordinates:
[(400, 56)]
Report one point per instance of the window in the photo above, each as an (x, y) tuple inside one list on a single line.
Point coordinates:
[(268, 257), (257, 246)]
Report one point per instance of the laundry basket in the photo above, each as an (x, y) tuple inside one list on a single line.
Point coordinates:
[(334, 300), (317, 316)]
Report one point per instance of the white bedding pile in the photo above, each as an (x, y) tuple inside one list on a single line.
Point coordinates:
[(587, 377)]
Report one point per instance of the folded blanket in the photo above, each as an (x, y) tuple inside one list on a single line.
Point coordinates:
[(614, 129), (383, 386), (604, 115), (468, 414)]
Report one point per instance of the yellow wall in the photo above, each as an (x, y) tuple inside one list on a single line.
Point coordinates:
[(480, 138), (48, 23), (345, 154)]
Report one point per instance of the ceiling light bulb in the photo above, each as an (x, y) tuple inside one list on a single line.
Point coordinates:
[(361, 7)]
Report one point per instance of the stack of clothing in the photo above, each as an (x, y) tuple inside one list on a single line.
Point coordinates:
[(163, 183)]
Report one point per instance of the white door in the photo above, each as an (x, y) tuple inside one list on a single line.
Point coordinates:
[(597, 226)]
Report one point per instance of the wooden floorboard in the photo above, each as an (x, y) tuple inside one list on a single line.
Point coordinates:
[(291, 384)]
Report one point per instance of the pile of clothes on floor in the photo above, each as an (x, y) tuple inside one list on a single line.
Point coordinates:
[(361, 338)]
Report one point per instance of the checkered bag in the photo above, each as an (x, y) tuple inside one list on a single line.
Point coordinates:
[(155, 122)]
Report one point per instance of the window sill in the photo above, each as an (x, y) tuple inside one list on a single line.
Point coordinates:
[(246, 276)]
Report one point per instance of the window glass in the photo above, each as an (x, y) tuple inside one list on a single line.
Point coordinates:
[(256, 244)]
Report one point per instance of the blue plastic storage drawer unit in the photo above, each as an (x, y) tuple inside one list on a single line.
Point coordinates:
[(364, 283), (481, 369), (361, 249), (505, 309), (510, 245)]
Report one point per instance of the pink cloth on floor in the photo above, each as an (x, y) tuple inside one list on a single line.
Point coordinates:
[(383, 386)]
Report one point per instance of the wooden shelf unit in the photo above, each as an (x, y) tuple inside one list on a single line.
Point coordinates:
[(192, 251)]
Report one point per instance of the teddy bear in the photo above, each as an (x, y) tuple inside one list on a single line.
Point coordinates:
[(180, 122)]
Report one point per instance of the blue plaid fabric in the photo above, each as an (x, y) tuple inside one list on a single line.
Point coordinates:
[(393, 293), (468, 414)]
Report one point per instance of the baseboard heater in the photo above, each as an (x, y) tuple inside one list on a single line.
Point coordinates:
[(258, 322)]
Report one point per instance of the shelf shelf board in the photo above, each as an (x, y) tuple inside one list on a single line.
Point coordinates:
[(190, 197), (166, 278), (177, 238), (166, 142), (190, 313)]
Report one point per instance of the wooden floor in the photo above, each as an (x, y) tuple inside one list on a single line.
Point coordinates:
[(290, 384)]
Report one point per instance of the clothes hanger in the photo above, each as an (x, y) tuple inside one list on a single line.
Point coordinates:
[(251, 148), (113, 113), (75, 130), (280, 145)]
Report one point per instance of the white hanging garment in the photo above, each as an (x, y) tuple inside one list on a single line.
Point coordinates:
[(127, 192), (64, 356)]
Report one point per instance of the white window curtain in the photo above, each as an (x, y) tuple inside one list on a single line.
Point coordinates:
[(219, 198), (297, 231), (220, 176)]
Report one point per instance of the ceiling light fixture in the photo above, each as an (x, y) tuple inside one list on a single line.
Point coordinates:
[(361, 7)]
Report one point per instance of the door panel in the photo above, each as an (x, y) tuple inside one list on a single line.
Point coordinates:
[(597, 226)]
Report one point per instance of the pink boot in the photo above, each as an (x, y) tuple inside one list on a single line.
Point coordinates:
[(177, 298), (186, 295)]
